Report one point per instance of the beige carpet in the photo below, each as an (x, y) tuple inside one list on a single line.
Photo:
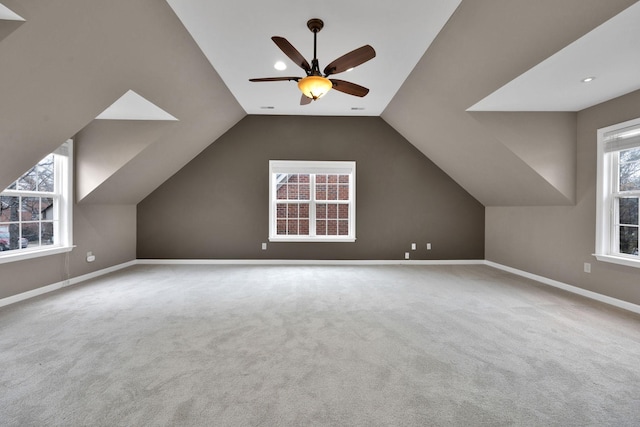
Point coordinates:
[(322, 345)]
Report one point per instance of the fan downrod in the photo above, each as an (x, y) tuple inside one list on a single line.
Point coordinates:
[(315, 25)]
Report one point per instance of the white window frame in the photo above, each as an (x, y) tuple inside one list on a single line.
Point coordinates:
[(62, 209), (607, 193), (311, 167)]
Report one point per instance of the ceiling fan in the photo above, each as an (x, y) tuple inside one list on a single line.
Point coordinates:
[(316, 84)]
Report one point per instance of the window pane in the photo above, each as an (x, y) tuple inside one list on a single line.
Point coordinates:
[(29, 181), (321, 211), (344, 179), (321, 179), (9, 236), (321, 227), (281, 226), (292, 227), (332, 191), (332, 211), (332, 227), (281, 210), (46, 233), (292, 191), (628, 210), (30, 234), (30, 209), (332, 179), (9, 208), (321, 191), (45, 170), (304, 211), (629, 240), (630, 169), (304, 191), (46, 206), (343, 192), (292, 211), (343, 211), (304, 227), (281, 193), (343, 228)]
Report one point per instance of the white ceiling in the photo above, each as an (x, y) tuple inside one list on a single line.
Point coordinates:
[(610, 53), (132, 106), (8, 14), (236, 38)]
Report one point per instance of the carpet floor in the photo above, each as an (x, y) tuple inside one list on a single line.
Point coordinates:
[(317, 345)]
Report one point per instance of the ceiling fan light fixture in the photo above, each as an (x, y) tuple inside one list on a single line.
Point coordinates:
[(314, 87)]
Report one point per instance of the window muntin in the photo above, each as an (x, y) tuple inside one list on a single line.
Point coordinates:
[(35, 210), (618, 228), (312, 201)]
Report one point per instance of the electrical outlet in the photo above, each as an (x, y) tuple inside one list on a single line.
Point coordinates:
[(406, 255), (587, 267), (428, 246), (264, 246), (413, 246), (90, 257)]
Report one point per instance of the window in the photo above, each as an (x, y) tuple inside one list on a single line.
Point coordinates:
[(618, 208), (35, 210), (312, 201)]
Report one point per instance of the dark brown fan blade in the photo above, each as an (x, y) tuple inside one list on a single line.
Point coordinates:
[(276, 79), (349, 88), (305, 100), (291, 52), (350, 60)]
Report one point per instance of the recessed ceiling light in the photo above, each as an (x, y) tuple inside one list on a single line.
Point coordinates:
[(280, 66), (357, 108), (588, 79), (267, 107)]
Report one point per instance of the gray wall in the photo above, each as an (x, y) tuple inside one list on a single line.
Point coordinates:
[(106, 230), (556, 241), (217, 205)]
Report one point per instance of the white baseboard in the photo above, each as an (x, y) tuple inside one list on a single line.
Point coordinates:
[(556, 284), (55, 286), (306, 262), (569, 288)]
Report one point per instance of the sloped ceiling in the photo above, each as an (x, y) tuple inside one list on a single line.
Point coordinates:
[(516, 158), (72, 59)]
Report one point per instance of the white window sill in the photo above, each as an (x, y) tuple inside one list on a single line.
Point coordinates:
[(311, 239), (22, 254), (629, 262)]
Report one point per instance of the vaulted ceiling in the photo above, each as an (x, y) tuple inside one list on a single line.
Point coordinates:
[(476, 90)]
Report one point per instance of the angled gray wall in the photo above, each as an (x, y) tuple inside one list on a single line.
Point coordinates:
[(556, 241), (217, 206)]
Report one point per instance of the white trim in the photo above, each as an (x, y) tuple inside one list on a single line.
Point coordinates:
[(306, 262), (55, 286), (62, 205), (607, 192), (98, 273), (569, 288), (312, 168), (23, 254), (629, 262)]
